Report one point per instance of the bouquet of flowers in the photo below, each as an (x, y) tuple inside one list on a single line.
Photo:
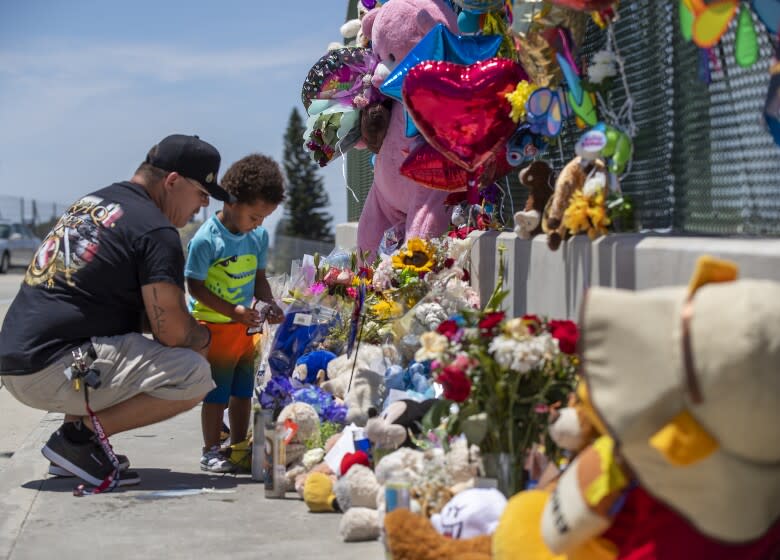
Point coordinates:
[(501, 377)]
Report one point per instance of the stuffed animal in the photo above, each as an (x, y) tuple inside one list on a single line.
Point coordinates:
[(393, 427), (680, 440), (571, 179), (374, 123), (308, 428), (357, 488), (357, 380), (412, 537), (538, 177), (394, 29), (318, 494), (356, 493), (470, 513), (320, 466), (308, 367)]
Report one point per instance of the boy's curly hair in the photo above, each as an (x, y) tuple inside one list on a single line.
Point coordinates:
[(255, 177)]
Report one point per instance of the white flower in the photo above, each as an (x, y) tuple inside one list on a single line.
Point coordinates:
[(459, 249), (524, 355), (503, 350), (433, 345), (594, 185), (603, 65)]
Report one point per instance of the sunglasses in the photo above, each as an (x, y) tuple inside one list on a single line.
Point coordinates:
[(203, 192)]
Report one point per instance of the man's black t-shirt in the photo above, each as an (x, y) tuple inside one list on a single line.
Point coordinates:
[(85, 280)]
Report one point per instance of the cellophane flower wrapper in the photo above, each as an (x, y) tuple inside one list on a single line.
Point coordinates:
[(304, 327)]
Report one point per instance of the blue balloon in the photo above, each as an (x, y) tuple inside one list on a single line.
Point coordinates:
[(468, 22), (769, 13), (441, 44)]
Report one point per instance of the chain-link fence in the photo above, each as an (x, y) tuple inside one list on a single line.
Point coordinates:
[(40, 215), (703, 161)]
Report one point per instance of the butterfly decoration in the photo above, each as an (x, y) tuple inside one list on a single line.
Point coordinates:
[(546, 110), (705, 24), (524, 146)]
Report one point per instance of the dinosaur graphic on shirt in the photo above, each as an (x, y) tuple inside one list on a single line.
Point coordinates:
[(226, 277)]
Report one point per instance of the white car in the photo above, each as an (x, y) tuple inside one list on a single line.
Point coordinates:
[(17, 246)]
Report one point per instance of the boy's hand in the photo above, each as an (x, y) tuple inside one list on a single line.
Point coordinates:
[(275, 314), (246, 316)]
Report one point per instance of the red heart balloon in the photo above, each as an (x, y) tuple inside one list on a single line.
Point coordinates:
[(462, 111), (428, 167)]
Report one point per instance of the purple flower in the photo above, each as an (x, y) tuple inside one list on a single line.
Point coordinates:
[(317, 288), (276, 394)]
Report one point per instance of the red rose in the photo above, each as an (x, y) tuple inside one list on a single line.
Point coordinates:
[(461, 233), (456, 384), (491, 321), (466, 276), (448, 262), (567, 335), (448, 328)]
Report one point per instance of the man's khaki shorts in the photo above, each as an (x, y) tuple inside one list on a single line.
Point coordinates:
[(129, 365)]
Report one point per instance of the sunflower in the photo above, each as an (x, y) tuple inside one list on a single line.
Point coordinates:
[(418, 256)]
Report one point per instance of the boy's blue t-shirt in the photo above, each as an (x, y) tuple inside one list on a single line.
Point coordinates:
[(227, 263)]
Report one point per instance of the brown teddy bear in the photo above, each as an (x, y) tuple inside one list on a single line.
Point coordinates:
[(571, 179), (538, 177), (374, 122), (412, 537)]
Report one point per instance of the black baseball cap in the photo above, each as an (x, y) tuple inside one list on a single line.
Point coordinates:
[(192, 158)]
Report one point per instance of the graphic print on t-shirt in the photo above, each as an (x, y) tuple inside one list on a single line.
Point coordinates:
[(232, 279), (73, 242)]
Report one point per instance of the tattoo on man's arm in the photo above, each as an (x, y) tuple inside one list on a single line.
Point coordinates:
[(158, 314)]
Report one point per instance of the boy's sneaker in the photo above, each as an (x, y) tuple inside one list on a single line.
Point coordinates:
[(84, 460), (215, 460)]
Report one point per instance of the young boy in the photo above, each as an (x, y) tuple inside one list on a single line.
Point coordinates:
[(225, 269)]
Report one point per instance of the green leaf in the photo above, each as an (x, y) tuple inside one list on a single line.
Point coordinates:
[(475, 427), (433, 417)]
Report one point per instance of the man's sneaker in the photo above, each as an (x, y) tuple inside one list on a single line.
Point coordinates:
[(87, 461), (56, 470)]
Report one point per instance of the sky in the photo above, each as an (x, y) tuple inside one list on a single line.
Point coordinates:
[(88, 86)]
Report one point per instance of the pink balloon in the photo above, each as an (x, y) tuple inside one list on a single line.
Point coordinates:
[(585, 5), (461, 110), (428, 167)]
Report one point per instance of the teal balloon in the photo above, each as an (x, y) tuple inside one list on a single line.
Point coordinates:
[(441, 44), (572, 79), (468, 22), (411, 128)]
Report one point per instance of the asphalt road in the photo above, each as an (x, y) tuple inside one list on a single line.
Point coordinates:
[(16, 420)]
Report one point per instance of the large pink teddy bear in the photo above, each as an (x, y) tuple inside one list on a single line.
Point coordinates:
[(395, 29)]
